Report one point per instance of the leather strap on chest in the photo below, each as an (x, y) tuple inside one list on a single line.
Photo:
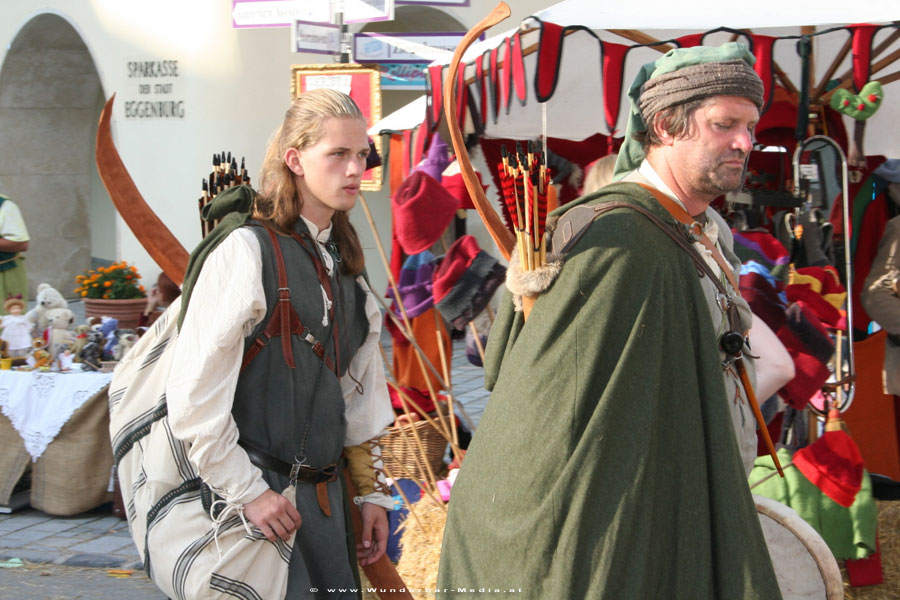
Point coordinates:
[(284, 320), (682, 216)]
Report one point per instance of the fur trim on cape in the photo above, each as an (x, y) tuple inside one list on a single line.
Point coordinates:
[(530, 283)]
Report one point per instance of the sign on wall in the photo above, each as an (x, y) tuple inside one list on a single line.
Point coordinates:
[(156, 90), (363, 84)]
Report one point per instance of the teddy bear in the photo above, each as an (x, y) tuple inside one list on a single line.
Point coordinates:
[(39, 357), (127, 338), (47, 298), (80, 338), (90, 355), (58, 334)]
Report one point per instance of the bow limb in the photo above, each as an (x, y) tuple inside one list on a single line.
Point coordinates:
[(495, 226), (162, 246)]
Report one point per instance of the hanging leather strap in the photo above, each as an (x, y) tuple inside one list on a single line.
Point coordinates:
[(283, 307), (682, 216)]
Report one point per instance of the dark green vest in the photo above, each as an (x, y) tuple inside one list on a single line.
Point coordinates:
[(289, 412), (300, 412)]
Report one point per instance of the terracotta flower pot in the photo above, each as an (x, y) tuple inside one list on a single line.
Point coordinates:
[(128, 312)]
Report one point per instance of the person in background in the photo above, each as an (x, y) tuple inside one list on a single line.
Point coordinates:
[(160, 297), (881, 296), (598, 173), (13, 242)]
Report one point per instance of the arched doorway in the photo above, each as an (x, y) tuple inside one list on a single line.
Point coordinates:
[(50, 100)]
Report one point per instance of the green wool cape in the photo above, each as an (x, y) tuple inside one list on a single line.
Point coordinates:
[(605, 465)]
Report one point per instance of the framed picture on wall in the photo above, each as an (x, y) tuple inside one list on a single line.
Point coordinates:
[(361, 83)]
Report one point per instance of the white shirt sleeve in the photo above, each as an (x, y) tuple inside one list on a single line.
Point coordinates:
[(12, 225), (366, 399), (227, 301)]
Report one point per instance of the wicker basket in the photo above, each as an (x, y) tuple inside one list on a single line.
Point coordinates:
[(401, 453)]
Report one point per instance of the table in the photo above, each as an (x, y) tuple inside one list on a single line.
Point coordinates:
[(59, 423)]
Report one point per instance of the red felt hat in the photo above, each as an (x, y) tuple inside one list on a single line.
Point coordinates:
[(834, 464), (457, 187), (422, 211)]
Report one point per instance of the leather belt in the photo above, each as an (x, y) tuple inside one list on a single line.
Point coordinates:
[(295, 472)]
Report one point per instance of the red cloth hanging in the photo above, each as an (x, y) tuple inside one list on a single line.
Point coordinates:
[(462, 95), (506, 75), (549, 53), (435, 77), (763, 45), (613, 74), (518, 69), (862, 53), (495, 82), (689, 41), (481, 86)]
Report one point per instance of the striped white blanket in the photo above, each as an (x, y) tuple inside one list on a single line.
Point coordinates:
[(187, 553)]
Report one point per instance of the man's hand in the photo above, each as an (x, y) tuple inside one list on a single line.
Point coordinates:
[(274, 515), (374, 534)]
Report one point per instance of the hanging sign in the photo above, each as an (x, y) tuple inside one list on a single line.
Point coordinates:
[(435, 2), (403, 76), (283, 13), (404, 47), (315, 38)]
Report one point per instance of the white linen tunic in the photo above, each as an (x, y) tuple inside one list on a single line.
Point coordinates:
[(227, 302)]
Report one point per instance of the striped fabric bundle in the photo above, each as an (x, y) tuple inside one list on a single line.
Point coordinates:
[(193, 544)]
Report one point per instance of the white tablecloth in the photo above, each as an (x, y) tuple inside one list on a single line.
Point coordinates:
[(39, 404)]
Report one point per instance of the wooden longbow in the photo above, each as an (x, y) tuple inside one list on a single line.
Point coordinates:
[(163, 247), (495, 226)]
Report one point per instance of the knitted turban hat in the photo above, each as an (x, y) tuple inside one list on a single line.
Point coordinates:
[(682, 75)]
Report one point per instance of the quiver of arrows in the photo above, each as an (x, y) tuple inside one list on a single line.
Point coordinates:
[(225, 174), (525, 184)]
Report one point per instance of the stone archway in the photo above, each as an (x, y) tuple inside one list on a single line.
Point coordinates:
[(50, 100)]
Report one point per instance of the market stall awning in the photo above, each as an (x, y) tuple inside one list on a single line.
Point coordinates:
[(402, 119), (565, 71), (710, 14)]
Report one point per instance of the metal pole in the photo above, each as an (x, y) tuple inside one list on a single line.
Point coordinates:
[(848, 267)]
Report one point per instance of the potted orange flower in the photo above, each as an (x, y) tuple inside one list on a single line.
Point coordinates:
[(114, 291)]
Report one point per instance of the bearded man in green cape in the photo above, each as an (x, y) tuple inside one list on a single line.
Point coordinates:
[(607, 464)]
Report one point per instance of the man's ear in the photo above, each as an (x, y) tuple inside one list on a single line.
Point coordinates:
[(659, 128), (293, 161)]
